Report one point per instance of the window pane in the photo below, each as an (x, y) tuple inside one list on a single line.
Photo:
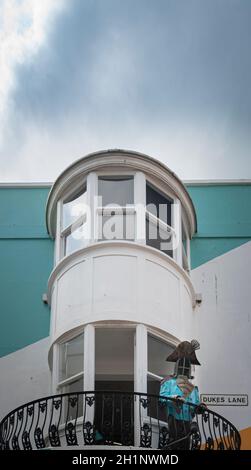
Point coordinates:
[(117, 227), (158, 351), (158, 237), (76, 240), (71, 358), (74, 207), (158, 204), (117, 190), (114, 359)]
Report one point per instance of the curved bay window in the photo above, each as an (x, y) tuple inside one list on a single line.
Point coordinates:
[(122, 207)]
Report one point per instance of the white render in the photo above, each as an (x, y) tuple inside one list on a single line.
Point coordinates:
[(25, 376), (223, 327)]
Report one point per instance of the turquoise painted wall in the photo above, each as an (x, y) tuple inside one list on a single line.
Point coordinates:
[(26, 251), (26, 259), (224, 219)]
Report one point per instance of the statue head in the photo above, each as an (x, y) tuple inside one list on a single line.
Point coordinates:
[(184, 356)]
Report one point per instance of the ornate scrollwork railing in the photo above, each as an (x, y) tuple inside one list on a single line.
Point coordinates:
[(115, 418)]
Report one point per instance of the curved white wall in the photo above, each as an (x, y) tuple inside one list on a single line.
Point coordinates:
[(121, 281)]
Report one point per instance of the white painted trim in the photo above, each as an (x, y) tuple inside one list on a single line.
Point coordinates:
[(55, 368), (196, 182), (140, 204), (140, 372), (177, 225), (89, 358), (217, 182), (112, 325), (70, 335), (92, 190), (140, 359), (72, 191), (58, 240), (166, 337), (26, 185), (188, 247)]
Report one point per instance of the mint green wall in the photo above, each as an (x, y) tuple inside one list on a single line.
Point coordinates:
[(26, 252), (224, 219), (26, 257)]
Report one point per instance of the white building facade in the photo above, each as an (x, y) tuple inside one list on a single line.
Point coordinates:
[(122, 295)]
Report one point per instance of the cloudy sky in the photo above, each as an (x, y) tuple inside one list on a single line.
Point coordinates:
[(170, 78)]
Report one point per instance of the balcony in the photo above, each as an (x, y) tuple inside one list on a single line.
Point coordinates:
[(103, 418)]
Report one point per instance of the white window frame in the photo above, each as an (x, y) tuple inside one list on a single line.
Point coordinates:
[(58, 386), (63, 383), (120, 210), (165, 340), (153, 219), (186, 255), (64, 232)]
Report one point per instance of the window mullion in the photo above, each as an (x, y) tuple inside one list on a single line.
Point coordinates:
[(177, 225), (89, 358), (140, 206), (92, 202)]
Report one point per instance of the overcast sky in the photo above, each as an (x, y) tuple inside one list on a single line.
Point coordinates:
[(170, 78)]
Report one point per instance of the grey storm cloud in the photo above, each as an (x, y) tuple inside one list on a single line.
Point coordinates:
[(189, 57), (157, 63)]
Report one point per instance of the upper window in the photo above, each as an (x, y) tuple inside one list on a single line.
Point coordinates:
[(158, 204), (74, 231), (159, 232), (116, 213), (116, 190), (74, 206)]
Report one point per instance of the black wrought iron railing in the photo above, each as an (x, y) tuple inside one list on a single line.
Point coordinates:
[(115, 418)]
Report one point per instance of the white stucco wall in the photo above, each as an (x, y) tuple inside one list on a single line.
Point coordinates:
[(223, 327), (25, 376)]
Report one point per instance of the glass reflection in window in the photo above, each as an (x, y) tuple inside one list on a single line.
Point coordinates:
[(74, 207), (71, 358), (76, 239), (158, 204)]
